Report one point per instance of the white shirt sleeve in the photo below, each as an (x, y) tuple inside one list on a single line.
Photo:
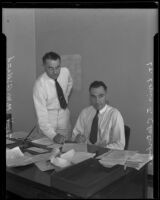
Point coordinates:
[(79, 127), (39, 98), (117, 136)]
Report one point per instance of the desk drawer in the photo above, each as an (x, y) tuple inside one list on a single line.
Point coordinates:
[(28, 189)]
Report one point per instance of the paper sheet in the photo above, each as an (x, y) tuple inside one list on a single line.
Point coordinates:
[(38, 150), (81, 156), (9, 141), (117, 154), (44, 165), (14, 153), (138, 160), (138, 157), (41, 157), (79, 147), (44, 141), (25, 159), (115, 157), (124, 157), (14, 157)]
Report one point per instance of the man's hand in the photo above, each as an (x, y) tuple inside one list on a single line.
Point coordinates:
[(80, 138), (60, 139)]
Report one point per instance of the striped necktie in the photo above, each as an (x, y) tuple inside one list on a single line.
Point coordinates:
[(60, 95), (94, 129)]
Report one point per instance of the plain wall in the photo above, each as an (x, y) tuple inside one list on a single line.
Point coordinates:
[(115, 45), (19, 28)]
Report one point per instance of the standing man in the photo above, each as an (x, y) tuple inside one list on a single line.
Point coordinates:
[(100, 124), (51, 94)]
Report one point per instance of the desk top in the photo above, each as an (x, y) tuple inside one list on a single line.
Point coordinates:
[(51, 179)]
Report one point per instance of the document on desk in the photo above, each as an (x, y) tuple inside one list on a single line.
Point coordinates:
[(138, 160), (81, 156), (115, 157), (44, 141), (45, 165), (39, 157), (14, 153), (78, 147), (117, 154), (15, 157), (9, 141), (38, 150)]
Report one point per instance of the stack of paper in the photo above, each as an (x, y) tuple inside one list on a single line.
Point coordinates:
[(124, 157), (115, 157), (138, 160), (14, 157)]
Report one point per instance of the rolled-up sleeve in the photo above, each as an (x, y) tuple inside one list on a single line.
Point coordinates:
[(79, 127)]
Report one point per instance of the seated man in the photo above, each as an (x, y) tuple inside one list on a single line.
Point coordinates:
[(107, 129)]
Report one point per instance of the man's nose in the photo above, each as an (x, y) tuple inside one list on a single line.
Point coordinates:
[(97, 100)]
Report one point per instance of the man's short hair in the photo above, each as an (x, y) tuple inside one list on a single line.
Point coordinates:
[(51, 55), (97, 84)]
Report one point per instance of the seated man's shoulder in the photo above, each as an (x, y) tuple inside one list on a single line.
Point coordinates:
[(113, 110), (87, 110)]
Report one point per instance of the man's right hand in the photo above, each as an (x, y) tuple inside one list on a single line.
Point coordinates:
[(60, 139), (80, 138)]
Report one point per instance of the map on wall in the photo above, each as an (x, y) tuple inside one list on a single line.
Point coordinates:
[(73, 63)]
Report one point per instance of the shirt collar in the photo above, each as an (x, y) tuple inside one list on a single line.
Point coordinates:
[(103, 109)]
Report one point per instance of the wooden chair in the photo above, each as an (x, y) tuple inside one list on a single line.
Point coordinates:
[(127, 136)]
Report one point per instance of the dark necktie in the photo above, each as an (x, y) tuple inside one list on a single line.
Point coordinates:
[(60, 95), (94, 129)]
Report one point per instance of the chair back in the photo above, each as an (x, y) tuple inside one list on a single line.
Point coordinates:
[(127, 131)]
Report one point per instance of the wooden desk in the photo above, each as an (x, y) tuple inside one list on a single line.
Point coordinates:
[(30, 182)]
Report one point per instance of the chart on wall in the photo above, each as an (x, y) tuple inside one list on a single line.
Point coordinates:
[(73, 63)]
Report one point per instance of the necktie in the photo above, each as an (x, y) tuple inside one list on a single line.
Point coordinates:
[(60, 94), (94, 129)]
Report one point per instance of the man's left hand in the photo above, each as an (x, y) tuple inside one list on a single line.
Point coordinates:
[(60, 139)]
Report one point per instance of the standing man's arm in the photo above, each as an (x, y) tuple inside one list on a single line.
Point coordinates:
[(39, 98), (117, 135)]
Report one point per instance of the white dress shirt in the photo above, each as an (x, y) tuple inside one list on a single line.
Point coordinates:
[(49, 113), (110, 127)]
